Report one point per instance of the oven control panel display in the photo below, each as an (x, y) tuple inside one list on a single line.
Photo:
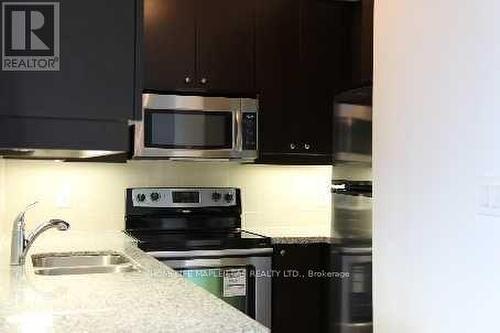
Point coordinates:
[(185, 197)]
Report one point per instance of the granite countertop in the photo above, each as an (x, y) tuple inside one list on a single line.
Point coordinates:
[(333, 241), (155, 299), (301, 240)]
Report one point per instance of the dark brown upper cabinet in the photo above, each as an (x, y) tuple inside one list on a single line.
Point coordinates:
[(199, 46), (169, 44), (298, 73), (96, 79), (225, 45), (85, 103), (358, 55), (277, 61)]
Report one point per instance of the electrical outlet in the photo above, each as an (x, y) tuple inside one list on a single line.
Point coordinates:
[(63, 197), (494, 194), (489, 197)]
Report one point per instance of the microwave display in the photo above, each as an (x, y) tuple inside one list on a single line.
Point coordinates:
[(177, 129)]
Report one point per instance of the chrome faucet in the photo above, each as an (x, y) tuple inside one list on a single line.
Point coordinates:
[(21, 244)]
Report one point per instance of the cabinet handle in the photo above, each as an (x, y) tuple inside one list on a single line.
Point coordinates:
[(203, 80), (282, 253), (292, 146), (307, 146), (187, 79)]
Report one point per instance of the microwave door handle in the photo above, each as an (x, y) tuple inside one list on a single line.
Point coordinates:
[(351, 187), (237, 133)]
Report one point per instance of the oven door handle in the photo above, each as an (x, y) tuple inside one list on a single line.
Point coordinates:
[(210, 253)]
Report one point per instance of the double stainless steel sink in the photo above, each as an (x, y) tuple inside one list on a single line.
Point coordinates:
[(69, 263)]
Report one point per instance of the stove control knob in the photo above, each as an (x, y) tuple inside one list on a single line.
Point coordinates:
[(141, 197), (229, 197), (216, 196), (155, 196)]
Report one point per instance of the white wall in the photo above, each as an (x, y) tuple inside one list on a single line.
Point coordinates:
[(436, 154), (277, 200)]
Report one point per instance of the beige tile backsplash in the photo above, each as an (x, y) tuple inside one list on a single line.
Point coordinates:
[(277, 200), (2, 197)]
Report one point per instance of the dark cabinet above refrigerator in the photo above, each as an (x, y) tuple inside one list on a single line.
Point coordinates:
[(358, 46), (79, 108)]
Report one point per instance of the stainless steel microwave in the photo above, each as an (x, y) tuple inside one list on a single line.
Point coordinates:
[(197, 128)]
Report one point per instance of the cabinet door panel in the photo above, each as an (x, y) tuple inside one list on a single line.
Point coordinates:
[(299, 301), (297, 71), (358, 48), (169, 44), (367, 42), (321, 73), (225, 40), (278, 68), (96, 79)]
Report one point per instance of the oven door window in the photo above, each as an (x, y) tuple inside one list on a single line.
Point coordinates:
[(234, 285), (175, 129)]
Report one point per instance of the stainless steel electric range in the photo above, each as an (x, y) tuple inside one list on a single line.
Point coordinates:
[(197, 231)]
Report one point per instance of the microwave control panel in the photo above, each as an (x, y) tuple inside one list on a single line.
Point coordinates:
[(249, 128)]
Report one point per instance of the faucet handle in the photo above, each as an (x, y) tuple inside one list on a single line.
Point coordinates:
[(20, 216), (31, 205)]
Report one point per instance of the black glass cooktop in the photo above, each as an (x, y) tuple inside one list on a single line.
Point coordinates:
[(158, 240)]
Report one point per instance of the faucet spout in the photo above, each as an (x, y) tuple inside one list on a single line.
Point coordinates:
[(55, 223), (21, 244)]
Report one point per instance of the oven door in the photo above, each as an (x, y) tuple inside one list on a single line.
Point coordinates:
[(189, 127), (240, 277)]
